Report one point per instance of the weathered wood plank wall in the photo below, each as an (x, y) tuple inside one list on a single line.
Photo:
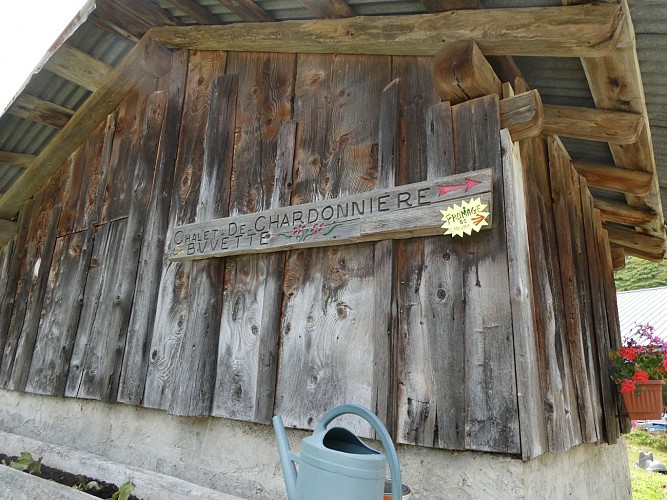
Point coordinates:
[(454, 343)]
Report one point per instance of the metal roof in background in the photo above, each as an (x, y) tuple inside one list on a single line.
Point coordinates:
[(559, 80), (639, 307)]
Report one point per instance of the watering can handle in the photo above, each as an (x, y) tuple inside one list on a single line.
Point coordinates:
[(381, 431)]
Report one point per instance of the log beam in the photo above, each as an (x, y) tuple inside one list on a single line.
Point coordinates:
[(629, 239), (620, 127), (623, 213), (78, 67), (617, 257), (40, 111), (579, 30), (522, 115), (658, 257), (16, 159), (622, 180), (147, 57), (461, 73)]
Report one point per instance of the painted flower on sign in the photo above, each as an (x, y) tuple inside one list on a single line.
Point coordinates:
[(642, 358)]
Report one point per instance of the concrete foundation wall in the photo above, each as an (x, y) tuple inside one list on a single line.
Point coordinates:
[(241, 459)]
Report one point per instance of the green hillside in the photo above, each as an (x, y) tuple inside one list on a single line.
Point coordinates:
[(639, 273)]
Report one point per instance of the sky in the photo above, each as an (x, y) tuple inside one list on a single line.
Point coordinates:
[(27, 30)]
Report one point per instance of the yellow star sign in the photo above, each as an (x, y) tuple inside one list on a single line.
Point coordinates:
[(468, 217)]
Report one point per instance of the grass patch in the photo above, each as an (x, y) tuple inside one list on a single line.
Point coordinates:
[(647, 485)]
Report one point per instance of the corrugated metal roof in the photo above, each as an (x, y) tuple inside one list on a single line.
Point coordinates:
[(638, 307)]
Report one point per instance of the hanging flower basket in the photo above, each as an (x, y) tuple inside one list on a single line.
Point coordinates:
[(640, 368), (646, 402)]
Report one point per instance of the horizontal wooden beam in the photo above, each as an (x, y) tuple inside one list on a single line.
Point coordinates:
[(653, 257), (522, 115), (78, 67), (592, 124), (16, 159), (636, 241), (40, 111), (579, 30), (7, 231), (147, 57), (622, 180), (623, 213)]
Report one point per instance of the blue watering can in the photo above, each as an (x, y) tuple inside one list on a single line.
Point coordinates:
[(335, 464)]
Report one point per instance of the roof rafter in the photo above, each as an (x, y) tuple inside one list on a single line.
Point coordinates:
[(16, 159), (78, 67), (40, 111)]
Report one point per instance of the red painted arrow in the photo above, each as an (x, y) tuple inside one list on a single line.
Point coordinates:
[(469, 184), (477, 219)]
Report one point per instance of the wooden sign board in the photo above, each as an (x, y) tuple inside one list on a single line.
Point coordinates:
[(402, 212)]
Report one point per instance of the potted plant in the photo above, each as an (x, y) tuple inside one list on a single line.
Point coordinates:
[(640, 369)]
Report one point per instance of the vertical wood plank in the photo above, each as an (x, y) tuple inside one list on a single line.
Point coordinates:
[(61, 312), (93, 340), (558, 167), (14, 276), (71, 174), (415, 422), (600, 333), (101, 345), (5, 261), (172, 308), (327, 340), (25, 280), (492, 422), (532, 425), (94, 195), (195, 368), (585, 297), (152, 259), (386, 313), (561, 413), (35, 299), (248, 345), (431, 323), (612, 311), (128, 130)]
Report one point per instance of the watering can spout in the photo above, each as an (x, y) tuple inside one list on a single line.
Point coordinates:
[(286, 460)]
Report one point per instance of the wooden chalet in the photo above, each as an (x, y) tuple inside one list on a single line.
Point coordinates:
[(157, 176)]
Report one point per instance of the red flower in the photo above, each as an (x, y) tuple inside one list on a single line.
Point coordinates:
[(629, 353), (297, 230), (628, 387), (640, 377), (664, 363), (317, 228)]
